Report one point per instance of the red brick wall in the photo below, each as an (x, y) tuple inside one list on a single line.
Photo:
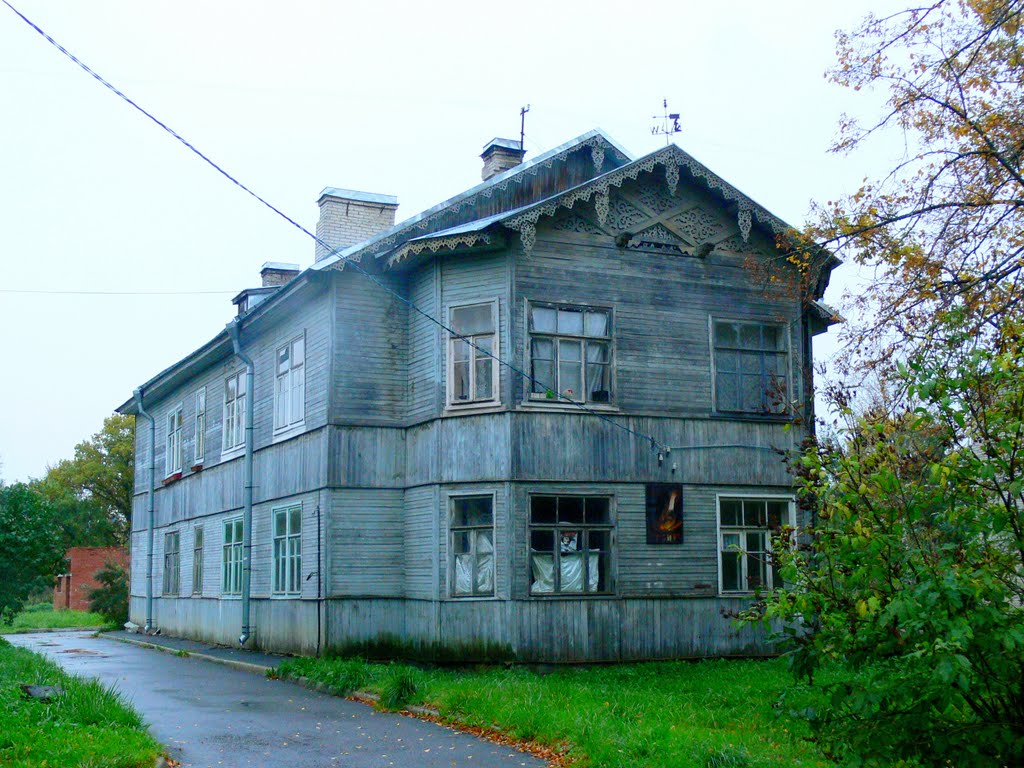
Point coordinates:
[(73, 588)]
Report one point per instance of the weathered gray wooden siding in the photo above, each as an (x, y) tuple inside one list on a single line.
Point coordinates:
[(425, 387), (661, 305), (369, 379), (367, 457), (459, 449), (420, 531), (365, 539)]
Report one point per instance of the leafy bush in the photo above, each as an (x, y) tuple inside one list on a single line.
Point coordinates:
[(111, 599)]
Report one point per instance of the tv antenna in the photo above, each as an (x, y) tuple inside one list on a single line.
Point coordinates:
[(669, 124), (522, 125)]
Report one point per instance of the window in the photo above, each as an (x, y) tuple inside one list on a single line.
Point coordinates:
[(288, 550), (751, 361), (234, 411), (570, 544), (472, 372), (197, 562), (290, 385), (570, 353), (472, 548), (746, 526), (231, 564), (200, 427), (172, 562), (173, 457)]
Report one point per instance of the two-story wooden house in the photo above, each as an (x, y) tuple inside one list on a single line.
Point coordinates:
[(541, 420)]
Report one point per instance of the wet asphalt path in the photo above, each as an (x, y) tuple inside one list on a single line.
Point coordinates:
[(207, 714)]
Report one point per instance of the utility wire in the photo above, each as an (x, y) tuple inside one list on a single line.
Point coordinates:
[(116, 293), (332, 251)]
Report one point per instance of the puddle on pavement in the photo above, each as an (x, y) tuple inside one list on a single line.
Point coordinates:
[(84, 652)]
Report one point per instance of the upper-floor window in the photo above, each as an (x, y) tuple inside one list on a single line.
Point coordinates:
[(175, 450), (234, 411), (472, 349), (200, 424), (290, 385), (472, 546), (570, 544), (570, 353), (751, 365), (745, 529)]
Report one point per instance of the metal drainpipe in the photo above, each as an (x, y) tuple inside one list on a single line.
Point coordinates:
[(250, 375), (151, 515)]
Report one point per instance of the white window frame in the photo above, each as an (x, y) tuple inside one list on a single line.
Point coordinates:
[(563, 396), (174, 455), (172, 564), (290, 388), (579, 544), (231, 558), (741, 529), (234, 413), (200, 427), (786, 353), (475, 356), (454, 530), (198, 542), (286, 549)]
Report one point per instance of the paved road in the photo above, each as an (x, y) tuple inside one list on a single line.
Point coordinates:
[(210, 715)]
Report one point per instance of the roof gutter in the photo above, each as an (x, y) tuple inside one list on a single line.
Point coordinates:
[(234, 330), (150, 504)]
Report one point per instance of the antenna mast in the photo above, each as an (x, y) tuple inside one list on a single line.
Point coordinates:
[(522, 125), (669, 124)]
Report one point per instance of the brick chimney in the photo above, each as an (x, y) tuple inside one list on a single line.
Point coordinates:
[(348, 217), (500, 155), (275, 273)]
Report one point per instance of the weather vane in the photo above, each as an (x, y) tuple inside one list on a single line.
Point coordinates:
[(669, 123)]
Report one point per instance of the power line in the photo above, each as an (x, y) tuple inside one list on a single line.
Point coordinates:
[(115, 293), (332, 251)]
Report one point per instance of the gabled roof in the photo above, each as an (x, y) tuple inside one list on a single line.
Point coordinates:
[(550, 173)]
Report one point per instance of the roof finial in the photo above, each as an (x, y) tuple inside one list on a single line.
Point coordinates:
[(669, 123)]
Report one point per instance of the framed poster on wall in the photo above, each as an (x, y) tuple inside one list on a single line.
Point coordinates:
[(664, 513)]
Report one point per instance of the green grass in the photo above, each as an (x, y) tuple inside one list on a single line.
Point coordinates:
[(42, 616), (86, 726), (709, 714)]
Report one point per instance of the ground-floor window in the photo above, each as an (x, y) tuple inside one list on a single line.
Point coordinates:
[(288, 550), (472, 545), (172, 562), (197, 561), (746, 526), (231, 564), (570, 545)]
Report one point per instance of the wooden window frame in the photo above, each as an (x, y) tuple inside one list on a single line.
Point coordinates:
[(172, 564), (582, 546), (198, 541), (200, 428), (286, 383), (553, 393), (234, 414), (174, 454), (232, 556), (722, 530), (454, 530), (786, 354), (475, 357), (286, 565)]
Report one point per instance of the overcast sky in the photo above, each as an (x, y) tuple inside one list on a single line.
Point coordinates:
[(291, 97)]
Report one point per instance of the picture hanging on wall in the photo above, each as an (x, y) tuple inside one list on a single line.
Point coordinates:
[(664, 513)]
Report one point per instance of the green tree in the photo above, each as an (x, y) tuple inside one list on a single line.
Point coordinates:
[(93, 490), (30, 549), (110, 600)]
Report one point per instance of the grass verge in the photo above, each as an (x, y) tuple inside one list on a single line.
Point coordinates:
[(43, 616), (85, 726), (709, 714)]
